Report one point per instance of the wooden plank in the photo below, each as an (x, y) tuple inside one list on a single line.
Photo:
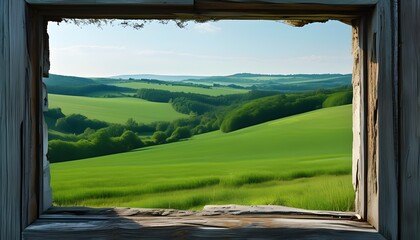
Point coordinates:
[(31, 167), (387, 122), (371, 121), (382, 122), (8, 223), (203, 227), (410, 117), (209, 210), (206, 9), (213, 222), (15, 131), (326, 2), (110, 2), (191, 2), (118, 12), (10, 142), (289, 6)]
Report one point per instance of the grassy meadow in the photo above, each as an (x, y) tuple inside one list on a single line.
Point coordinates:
[(115, 110), (214, 91), (301, 161)]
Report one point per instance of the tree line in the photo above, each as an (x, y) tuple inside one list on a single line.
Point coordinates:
[(88, 90), (79, 137), (85, 137), (196, 103)]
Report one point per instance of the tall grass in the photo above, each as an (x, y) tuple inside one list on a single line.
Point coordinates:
[(326, 192)]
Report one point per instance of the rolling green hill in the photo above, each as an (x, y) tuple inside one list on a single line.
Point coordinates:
[(212, 85), (77, 86), (168, 78), (300, 161), (250, 78), (60, 80), (282, 83), (214, 91), (115, 110)]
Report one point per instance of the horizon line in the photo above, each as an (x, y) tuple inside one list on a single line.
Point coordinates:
[(204, 75)]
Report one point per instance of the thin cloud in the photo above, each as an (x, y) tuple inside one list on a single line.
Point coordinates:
[(207, 28)]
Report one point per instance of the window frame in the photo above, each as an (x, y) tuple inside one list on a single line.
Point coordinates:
[(370, 96)]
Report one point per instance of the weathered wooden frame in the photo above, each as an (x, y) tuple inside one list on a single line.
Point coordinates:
[(375, 81)]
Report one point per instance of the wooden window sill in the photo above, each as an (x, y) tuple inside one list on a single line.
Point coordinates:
[(214, 222)]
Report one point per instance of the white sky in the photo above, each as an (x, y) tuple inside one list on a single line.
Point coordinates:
[(212, 48)]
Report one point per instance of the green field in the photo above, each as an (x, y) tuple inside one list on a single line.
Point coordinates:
[(214, 91), (296, 82), (300, 161), (115, 110), (293, 80)]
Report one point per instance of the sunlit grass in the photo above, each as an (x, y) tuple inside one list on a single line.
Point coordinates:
[(122, 108), (325, 192), (300, 161)]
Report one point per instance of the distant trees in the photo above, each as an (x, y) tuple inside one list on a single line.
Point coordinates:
[(130, 140), (88, 90), (54, 113), (338, 99), (198, 103), (180, 133), (77, 123), (187, 106), (102, 142), (159, 137), (278, 106), (155, 95), (270, 108), (132, 125)]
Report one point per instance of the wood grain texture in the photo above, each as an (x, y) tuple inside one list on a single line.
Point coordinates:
[(382, 121), (410, 119), (214, 222), (329, 2), (371, 120), (40, 62), (111, 2), (286, 9), (190, 2), (31, 168), (209, 210), (205, 9), (201, 228), (387, 121), (15, 130)]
